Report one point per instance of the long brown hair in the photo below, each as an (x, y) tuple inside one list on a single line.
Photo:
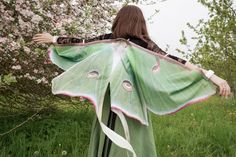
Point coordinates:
[(130, 22)]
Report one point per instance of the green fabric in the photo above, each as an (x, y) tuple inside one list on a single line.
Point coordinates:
[(141, 137), (139, 81)]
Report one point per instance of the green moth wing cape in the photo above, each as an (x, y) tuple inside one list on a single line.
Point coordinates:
[(139, 80)]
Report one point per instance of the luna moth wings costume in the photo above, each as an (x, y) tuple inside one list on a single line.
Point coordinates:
[(131, 81)]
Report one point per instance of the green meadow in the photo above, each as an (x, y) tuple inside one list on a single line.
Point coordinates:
[(205, 129)]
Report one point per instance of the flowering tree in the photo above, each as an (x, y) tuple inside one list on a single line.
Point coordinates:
[(26, 63)]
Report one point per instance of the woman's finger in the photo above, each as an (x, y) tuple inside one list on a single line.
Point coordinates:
[(40, 38), (37, 40), (228, 90), (221, 90), (224, 90), (36, 35), (42, 41), (39, 35)]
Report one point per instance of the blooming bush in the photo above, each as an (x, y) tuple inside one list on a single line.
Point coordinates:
[(20, 20)]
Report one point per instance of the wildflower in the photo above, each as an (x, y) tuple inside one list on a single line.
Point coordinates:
[(64, 153), (36, 153)]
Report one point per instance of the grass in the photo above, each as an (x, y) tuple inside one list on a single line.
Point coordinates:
[(204, 130)]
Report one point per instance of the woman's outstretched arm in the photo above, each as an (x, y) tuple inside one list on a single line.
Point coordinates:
[(48, 38), (224, 89)]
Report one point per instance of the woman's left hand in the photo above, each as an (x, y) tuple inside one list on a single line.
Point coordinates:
[(44, 38), (224, 89)]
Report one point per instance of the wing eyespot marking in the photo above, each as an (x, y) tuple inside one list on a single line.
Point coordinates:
[(155, 68), (93, 74), (127, 85)]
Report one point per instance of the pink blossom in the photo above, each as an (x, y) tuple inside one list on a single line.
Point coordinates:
[(27, 13), (26, 49), (36, 71), (32, 17), (58, 24), (25, 62), (19, 1), (3, 40), (27, 75), (36, 19), (16, 67)]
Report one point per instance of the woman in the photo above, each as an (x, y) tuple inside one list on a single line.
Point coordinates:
[(128, 24)]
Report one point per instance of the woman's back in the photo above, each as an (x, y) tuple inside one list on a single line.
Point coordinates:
[(148, 44)]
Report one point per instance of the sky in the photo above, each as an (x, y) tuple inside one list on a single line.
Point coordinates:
[(166, 26)]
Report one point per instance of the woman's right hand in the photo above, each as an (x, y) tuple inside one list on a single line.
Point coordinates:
[(224, 89), (44, 38)]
